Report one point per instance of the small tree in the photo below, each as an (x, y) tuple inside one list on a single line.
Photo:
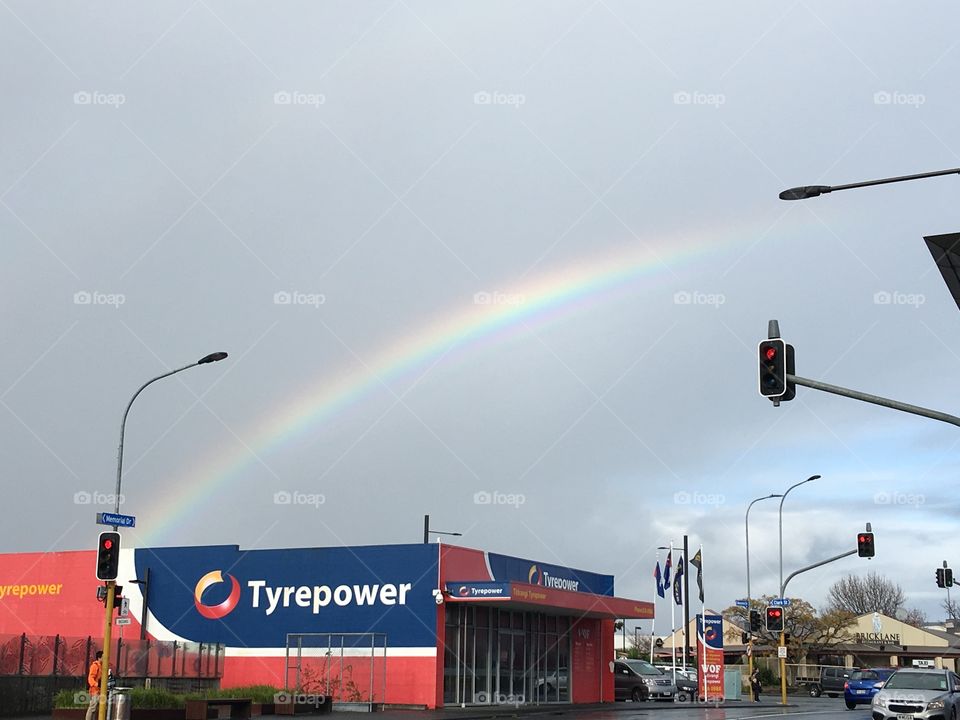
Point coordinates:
[(915, 617)]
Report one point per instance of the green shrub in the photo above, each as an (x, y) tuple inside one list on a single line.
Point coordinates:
[(162, 698), (258, 693), (69, 698), (155, 698)]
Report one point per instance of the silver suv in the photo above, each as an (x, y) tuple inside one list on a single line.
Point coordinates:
[(914, 694)]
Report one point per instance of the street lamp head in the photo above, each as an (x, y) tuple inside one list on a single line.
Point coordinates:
[(212, 357), (805, 191), (812, 477)]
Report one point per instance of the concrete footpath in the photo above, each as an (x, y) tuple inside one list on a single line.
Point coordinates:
[(508, 711)]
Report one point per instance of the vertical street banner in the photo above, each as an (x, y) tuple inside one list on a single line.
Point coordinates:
[(710, 656)]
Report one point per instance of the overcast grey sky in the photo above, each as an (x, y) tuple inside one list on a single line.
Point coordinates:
[(467, 252)]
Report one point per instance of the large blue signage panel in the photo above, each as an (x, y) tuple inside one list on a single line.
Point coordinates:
[(507, 569), (253, 598)]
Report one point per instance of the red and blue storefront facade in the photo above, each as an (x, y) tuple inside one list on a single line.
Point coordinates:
[(423, 625)]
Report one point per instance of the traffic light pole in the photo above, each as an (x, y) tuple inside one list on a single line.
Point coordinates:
[(783, 589), (105, 664), (876, 400)]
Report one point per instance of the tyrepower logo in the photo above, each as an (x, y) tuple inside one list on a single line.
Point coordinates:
[(215, 612)]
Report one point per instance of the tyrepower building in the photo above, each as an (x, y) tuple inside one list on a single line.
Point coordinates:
[(422, 625)]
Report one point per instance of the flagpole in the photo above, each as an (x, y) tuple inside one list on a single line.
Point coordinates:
[(673, 625), (653, 621), (703, 623), (686, 604)]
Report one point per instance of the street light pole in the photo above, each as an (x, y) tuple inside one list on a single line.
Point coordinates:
[(782, 498), (783, 661), (746, 528), (111, 584), (427, 532), (808, 191)]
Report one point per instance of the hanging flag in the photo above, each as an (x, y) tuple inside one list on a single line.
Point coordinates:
[(697, 562), (666, 570), (656, 574), (677, 585)]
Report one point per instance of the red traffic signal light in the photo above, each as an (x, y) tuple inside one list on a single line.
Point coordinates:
[(774, 618), (865, 547), (108, 555), (773, 368)]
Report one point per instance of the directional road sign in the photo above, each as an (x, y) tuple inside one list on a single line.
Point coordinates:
[(116, 520), (743, 603), (782, 602)]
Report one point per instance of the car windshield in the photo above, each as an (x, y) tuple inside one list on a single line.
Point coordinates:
[(864, 675), (642, 667), (917, 681)]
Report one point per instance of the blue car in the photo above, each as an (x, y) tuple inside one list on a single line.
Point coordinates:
[(862, 685)]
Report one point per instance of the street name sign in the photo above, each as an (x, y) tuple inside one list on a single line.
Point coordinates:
[(116, 520), (742, 603), (782, 602)]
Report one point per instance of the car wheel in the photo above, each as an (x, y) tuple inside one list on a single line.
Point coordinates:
[(636, 695), (851, 705), (814, 691)]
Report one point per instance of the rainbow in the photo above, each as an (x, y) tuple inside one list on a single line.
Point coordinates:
[(536, 302)]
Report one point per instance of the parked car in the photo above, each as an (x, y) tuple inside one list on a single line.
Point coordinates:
[(918, 694), (863, 685), (831, 682), (639, 680)]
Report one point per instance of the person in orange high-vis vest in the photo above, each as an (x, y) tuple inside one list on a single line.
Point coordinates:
[(93, 683)]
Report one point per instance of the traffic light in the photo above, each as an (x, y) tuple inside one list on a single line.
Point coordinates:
[(865, 545), (774, 619), (948, 577), (755, 621), (744, 638), (108, 555), (942, 577), (773, 368)]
